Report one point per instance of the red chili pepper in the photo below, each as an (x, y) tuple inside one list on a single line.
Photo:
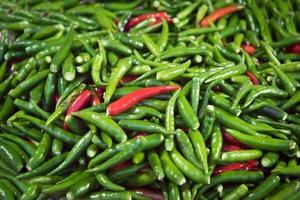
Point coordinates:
[(95, 100), (253, 78), (120, 166), (231, 147), (249, 48), (149, 192), (295, 48), (159, 16), (97, 97), (249, 165), (231, 140), (80, 102), (56, 97), (99, 91), (128, 78), (217, 14), (129, 100)]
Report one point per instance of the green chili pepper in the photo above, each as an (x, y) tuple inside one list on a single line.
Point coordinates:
[(188, 169), (11, 156), (28, 84), (76, 151), (66, 183), (239, 176), (61, 55), (264, 189), (208, 122), (237, 193), (171, 73), (122, 67), (150, 44), (127, 153), (186, 147), (286, 190), (162, 42), (241, 156), (156, 165), (40, 154), (103, 122), (81, 188), (199, 147), (216, 146), (233, 122), (242, 92), (139, 125), (173, 191), (105, 182), (172, 172), (269, 159), (188, 51), (53, 130), (262, 142), (6, 192)]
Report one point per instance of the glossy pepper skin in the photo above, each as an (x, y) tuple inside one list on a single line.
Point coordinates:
[(126, 102), (215, 15), (81, 101), (159, 16)]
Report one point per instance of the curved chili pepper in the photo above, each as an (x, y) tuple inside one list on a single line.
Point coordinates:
[(217, 14), (253, 78), (249, 48), (129, 100), (79, 102), (249, 165), (158, 16)]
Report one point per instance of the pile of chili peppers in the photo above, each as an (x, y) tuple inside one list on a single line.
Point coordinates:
[(163, 99)]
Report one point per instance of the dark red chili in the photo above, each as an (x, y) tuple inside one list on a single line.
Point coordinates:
[(95, 100), (250, 165), (231, 147), (231, 140), (99, 91), (295, 48), (56, 97), (128, 78), (217, 14), (249, 48), (81, 101), (129, 100), (120, 166), (149, 192), (97, 96), (253, 78), (158, 16)]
